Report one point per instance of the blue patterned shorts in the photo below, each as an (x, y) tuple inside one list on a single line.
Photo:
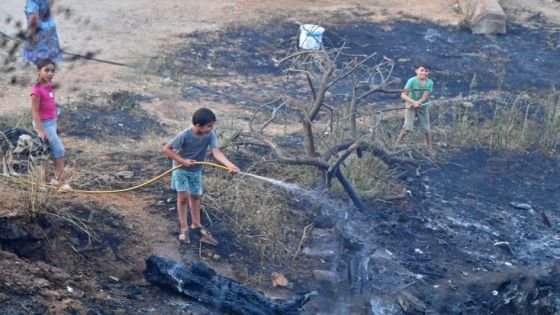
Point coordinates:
[(183, 180)]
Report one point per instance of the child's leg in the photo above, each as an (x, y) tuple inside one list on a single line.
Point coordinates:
[(424, 120), (408, 124), (181, 211), (194, 204), (401, 136), (428, 136), (59, 169), (46, 171), (57, 149)]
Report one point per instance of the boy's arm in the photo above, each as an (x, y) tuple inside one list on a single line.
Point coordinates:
[(424, 97), (168, 150), (220, 157), (408, 99), (404, 95)]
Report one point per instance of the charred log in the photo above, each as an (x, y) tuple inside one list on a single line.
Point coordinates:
[(201, 283)]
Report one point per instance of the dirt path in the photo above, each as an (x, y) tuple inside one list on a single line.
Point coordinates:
[(132, 31), (156, 234)]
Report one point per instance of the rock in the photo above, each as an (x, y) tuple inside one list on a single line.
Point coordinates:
[(326, 276), (52, 273), (411, 304), (317, 252), (50, 293), (381, 253), (41, 283), (467, 104), (125, 174), (278, 279), (485, 16), (519, 205)]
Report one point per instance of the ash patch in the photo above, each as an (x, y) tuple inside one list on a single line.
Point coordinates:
[(467, 249), (243, 50), (119, 118)]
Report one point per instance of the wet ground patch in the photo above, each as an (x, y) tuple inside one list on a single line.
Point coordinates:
[(456, 244)]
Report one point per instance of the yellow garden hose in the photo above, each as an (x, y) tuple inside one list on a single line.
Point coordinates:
[(80, 191)]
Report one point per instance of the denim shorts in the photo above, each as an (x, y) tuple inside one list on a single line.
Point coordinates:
[(55, 145), (183, 180)]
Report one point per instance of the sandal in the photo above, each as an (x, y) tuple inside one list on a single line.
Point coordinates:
[(184, 237), (205, 236)]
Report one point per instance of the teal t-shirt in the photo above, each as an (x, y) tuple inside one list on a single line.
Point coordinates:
[(413, 83)]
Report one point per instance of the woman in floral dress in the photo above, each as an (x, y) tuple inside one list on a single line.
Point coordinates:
[(42, 40)]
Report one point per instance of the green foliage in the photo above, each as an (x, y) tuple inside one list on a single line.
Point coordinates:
[(518, 124)]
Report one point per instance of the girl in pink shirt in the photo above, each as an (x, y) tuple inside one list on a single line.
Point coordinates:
[(44, 114)]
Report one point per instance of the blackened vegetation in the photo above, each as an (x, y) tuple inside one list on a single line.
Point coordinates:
[(120, 119), (75, 253), (34, 240), (201, 283)]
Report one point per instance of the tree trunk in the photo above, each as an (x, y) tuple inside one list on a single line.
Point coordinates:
[(201, 283)]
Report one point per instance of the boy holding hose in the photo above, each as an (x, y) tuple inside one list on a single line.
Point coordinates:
[(191, 145)]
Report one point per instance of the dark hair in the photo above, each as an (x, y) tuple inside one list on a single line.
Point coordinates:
[(203, 116), (44, 62), (421, 64)]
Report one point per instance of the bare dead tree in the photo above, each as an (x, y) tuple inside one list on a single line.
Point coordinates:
[(322, 70)]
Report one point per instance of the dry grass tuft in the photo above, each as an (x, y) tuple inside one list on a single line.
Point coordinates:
[(262, 217)]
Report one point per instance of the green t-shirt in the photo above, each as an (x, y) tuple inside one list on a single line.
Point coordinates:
[(414, 83)]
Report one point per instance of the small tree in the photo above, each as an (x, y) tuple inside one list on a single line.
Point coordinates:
[(324, 70)]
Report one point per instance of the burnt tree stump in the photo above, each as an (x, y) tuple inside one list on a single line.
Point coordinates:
[(201, 283)]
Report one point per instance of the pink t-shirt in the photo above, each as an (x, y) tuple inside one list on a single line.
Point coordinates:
[(47, 105)]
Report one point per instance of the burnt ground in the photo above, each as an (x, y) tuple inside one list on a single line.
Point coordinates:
[(524, 59), (60, 268), (116, 117), (455, 245)]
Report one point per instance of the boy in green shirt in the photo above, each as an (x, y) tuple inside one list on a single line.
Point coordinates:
[(416, 93)]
